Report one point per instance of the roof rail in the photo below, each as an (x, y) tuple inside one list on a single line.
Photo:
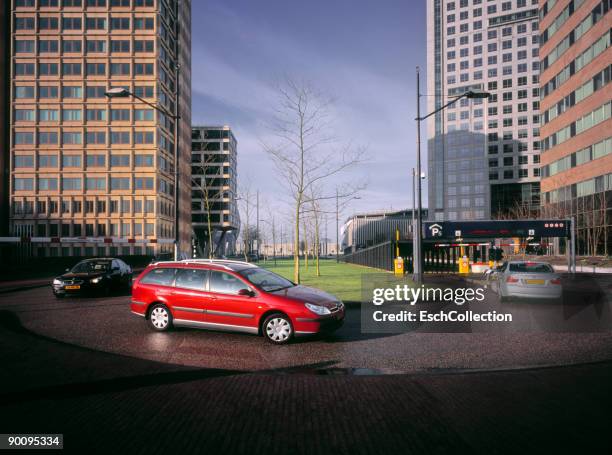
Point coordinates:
[(219, 262), (231, 261), (161, 262), (191, 261)]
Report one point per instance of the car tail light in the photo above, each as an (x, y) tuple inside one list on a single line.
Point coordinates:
[(511, 279), (555, 281)]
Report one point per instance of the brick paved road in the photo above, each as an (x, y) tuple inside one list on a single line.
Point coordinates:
[(105, 403), (155, 398), (106, 324)]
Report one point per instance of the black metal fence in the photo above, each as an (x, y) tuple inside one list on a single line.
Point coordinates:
[(378, 256)]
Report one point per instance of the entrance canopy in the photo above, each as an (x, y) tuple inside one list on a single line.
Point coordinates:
[(493, 229)]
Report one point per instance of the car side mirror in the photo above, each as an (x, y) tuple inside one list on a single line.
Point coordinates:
[(246, 293), (67, 270)]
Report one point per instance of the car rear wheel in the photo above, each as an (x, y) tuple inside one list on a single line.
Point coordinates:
[(277, 329), (160, 318)]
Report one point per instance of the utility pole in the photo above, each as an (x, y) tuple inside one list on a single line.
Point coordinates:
[(274, 240), (337, 228), (177, 74), (416, 242), (413, 195), (257, 226)]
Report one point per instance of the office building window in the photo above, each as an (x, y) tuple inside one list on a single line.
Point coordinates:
[(72, 46), (120, 183), (47, 184), (24, 69), (96, 46), (96, 160), (71, 183), (72, 138), (96, 69), (120, 160), (72, 23)]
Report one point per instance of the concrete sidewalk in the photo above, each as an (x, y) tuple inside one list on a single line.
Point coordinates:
[(19, 285), (105, 403)]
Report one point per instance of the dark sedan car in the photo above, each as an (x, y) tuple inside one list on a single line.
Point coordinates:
[(94, 275)]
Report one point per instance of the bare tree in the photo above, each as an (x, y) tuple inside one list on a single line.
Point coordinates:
[(314, 213), (248, 232), (518, 211), (304, 155), (306, 243), (204, 175), (594, 220)]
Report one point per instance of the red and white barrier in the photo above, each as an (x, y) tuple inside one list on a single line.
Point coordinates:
[(96, 240)]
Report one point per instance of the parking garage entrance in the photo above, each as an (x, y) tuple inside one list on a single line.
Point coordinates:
[(445, 242)]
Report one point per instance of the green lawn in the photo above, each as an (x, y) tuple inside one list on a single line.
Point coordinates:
[(340, 279)]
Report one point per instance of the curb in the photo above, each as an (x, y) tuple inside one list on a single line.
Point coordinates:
[(25, 287)]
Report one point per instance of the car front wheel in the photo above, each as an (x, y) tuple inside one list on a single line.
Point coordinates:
[(277, 329), (160, 318)]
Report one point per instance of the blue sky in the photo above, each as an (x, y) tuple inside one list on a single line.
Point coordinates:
[(362, 53)]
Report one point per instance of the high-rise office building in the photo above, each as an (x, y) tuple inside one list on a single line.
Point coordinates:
[(94, 175), (214, 198), (576, 117), (483, 155), (5, 90)]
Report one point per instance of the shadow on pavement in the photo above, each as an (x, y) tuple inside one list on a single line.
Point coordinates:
[(133, 372)]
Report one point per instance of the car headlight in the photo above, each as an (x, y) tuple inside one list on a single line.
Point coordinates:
[(96, 280), (57, 282), (317, 309)]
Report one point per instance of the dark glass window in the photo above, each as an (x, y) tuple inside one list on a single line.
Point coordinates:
[(163, 276), (225, 283), (191, 279)]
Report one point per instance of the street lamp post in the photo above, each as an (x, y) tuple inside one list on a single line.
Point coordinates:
[(418, 235), (121, 92)]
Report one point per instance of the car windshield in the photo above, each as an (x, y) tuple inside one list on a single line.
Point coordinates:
[(91, 266), (266, 280), (531, 267)]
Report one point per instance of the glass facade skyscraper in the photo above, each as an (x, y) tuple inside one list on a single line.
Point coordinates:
[(483, 155)]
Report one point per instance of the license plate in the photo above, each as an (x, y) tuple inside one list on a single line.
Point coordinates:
[(534, 281), (73, 287)]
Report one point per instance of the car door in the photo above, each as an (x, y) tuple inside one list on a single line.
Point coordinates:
[(228, 309), (126, 272), (156, 286), (190, 296), (116, 273)]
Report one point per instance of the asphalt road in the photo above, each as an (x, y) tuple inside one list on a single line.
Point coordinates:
[(105, 324)]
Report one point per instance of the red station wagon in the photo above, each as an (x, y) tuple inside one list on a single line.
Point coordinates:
[(232, 296)]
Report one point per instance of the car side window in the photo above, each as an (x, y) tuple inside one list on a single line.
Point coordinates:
[(191, 279), (225, 283), (163, 276)]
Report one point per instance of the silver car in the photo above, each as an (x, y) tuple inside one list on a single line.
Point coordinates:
[(527, 279)]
